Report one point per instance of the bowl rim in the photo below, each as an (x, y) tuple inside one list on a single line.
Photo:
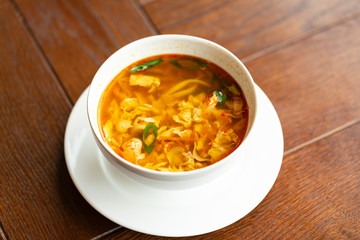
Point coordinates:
[(153, 173)]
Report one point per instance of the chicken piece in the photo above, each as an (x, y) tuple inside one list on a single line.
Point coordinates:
[(184, 117), (176, 158), (123, 125), (108, 129), (189, 161), (129, 104), (115, 142), (197, 100), (146, 120), (141, 110), (183, 134), (162, 132), (226, 138), (211, 101), (144, 81), (185, 104), (197, 156), (189, 158), (197, 115), (221, 144), (236, 106), (132, 150), (216, 152), (227, 116), (202, 143), (142, 122), (157, 166), (113, 107)]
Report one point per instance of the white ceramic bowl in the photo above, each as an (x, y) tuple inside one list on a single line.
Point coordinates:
[(169, 44)]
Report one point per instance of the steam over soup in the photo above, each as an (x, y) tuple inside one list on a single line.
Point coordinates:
[(173, 113)]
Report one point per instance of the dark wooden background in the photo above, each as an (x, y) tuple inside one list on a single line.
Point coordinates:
[(304, 54)]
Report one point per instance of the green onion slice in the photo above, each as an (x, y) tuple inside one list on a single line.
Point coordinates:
[(214, 79), (233, 89), (176, 63), (200, 64), (221, 96), (149, 148), (146, 65)]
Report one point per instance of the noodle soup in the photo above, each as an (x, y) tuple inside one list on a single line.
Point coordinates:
[(173, 113)]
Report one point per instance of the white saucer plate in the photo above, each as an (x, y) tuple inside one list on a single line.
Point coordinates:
[(188, 212)]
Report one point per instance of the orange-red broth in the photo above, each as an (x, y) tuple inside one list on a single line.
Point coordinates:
[(184, 97)]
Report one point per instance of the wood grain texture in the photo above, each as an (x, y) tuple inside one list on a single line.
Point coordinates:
[(246, 27), (38, 199), (78, 36), (313, 84), (304, 54), (316, 196)]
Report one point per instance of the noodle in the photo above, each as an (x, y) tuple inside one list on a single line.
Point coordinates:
[(173, 113)]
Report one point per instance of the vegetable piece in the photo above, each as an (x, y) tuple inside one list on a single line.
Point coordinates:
[(197, 156), (176, 158), (123, 125), (211, 100), (221, 96), (200, 64), (176, 63), (146, 65), (184, 117), (214, 79), (129, 104), (140, 123), (132, 150), (233, 89), (149, 148), (144, 81)]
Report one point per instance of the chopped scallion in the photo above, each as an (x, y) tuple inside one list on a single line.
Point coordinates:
[(200, 64), (214, 79), (149, 148), (233, 89), (221, 96), (145, 65)]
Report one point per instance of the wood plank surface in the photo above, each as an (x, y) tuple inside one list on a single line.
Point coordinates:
[(78, 36), (38, 199), (314, 84), (246, 27), (310, 112), (304, 54), (316, 196)]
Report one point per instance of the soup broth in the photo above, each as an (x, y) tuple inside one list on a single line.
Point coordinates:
[(173, 113)]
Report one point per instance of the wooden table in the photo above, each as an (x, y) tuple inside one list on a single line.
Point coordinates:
[(304, 54)]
